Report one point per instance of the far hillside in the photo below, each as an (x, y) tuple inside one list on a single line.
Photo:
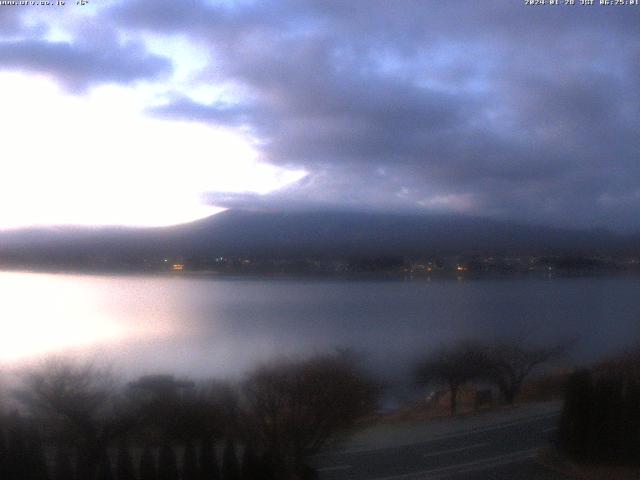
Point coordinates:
[(316, 234)]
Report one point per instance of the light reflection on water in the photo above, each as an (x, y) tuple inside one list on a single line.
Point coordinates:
[(52, 314), (211, 326)]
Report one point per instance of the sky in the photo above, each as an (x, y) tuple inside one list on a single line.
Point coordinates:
[(144, 112)]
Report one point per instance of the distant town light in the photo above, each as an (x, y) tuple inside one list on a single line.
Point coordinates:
[(177, 267)]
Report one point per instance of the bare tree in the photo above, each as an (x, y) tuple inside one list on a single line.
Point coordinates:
[(295, 408), (453, 366), (67, 394), (510, 362), (160, 403), (182, 410), (77, 403)]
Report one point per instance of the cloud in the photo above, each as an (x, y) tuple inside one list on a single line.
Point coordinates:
[(77, 66), (10, 21), (492, 107), (183, 108)]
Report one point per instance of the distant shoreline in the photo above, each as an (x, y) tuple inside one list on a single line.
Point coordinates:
[(347, 276)]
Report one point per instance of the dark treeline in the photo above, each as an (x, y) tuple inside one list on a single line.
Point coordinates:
[(73, 423), (600, 421)]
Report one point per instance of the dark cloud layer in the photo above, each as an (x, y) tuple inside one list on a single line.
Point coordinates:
[(92, 52), (78, 67), (491, 108)]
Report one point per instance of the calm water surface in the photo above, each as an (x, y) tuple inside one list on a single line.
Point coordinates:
[(212, 326)]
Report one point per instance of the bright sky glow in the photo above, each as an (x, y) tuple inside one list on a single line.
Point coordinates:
[(97, 160), (151, 107)]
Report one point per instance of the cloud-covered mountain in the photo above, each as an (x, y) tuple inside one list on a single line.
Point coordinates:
[(291, 234), (491, 109)]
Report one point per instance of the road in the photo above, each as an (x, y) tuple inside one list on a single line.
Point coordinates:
[(503, 450)]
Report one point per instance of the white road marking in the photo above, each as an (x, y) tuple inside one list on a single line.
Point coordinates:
[(454, 450), (550, 429)]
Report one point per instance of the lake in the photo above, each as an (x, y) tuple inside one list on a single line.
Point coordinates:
[(211, 326)]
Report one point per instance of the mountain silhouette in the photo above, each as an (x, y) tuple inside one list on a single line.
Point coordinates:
[(317, 233)]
